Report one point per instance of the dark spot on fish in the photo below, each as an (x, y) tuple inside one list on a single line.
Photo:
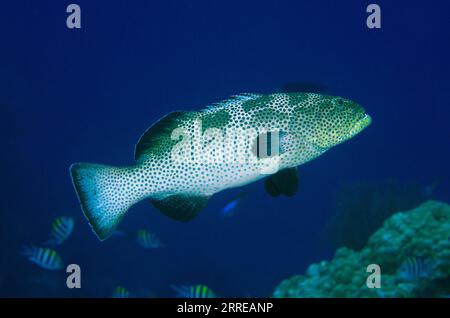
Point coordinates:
[(297, 98), (268, 115), (218, 119)]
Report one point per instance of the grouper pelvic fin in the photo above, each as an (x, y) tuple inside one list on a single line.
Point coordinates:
[(283, 182), (158, 135), (181, 207)]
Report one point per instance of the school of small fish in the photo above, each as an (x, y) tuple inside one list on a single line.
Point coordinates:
[(47, 257)]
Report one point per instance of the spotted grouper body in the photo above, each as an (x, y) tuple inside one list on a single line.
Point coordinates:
[(187, 156)]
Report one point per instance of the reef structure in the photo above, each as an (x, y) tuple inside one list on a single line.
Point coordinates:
[(421, 233)]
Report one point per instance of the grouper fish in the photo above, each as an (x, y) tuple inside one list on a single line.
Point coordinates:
[(187, 156)]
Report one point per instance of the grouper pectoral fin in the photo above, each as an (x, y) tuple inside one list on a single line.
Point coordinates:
[(181, 207), (283, 182)]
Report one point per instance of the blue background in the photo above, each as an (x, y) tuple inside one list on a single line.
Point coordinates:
[(87, 95)]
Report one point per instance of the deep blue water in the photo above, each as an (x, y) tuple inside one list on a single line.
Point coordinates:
[(87, 95)]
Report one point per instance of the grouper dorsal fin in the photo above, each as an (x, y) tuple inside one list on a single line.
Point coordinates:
[(157, 138), (283, 182), (233, 100), (181, 207)]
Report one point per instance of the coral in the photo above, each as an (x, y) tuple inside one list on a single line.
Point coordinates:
[(422, 232)]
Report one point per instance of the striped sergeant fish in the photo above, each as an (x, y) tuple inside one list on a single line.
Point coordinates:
[(147, 240), (414, 268), (194, 291), (44, 257), (62, 227), (121, 292)]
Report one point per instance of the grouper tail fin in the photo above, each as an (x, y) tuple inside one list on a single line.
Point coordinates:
[(103, 195)]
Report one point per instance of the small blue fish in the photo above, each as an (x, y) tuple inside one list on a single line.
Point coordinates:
[(147, 239), (44, 257), (195, 291), (120, 292), (62, 227), (414, 268), (230, 208)]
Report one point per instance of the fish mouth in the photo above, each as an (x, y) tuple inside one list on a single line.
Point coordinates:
[(360, 124), (365, 120)]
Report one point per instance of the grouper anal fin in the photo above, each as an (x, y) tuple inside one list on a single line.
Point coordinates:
[(181, 207)]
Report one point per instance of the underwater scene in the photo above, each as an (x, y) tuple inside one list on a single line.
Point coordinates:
[(217, 149)]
